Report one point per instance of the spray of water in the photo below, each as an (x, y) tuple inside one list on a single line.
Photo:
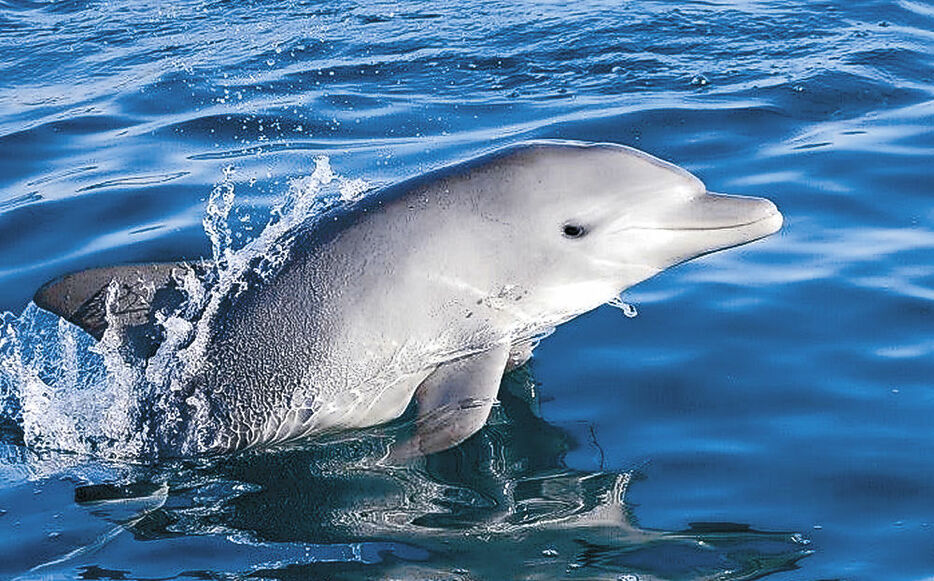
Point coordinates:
[(68, 392)]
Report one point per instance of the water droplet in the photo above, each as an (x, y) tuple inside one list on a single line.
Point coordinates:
[(627, 309)]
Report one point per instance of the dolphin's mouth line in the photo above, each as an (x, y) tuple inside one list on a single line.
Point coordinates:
[(708, 228)]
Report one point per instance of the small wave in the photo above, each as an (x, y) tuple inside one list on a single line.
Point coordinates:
[(20, 201), (148, 180)]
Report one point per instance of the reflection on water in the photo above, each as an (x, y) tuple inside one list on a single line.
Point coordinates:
[(500, 506)]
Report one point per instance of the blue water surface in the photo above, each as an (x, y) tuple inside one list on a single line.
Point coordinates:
[(767, 413)]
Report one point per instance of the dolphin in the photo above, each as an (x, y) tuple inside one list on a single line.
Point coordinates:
[(427, 291)]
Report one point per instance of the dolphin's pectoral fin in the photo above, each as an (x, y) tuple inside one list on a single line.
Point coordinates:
[(454, 402), (127, 296)]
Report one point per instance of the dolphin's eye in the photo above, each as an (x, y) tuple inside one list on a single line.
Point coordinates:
[(573, 231)]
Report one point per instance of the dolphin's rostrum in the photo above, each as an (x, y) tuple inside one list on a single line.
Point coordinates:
[(429, 289)]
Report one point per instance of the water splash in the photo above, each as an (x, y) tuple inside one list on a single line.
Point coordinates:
[(215, 217), (67, 392), (306, 197), (628, 309)]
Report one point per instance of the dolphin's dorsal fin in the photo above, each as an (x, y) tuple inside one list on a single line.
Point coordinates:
[(127, 295)]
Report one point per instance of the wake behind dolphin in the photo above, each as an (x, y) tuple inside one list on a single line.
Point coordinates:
[(428, 290)]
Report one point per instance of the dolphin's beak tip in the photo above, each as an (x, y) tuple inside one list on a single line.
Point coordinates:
[(773, 216)]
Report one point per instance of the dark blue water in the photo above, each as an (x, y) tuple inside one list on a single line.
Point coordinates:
[(767, 414)]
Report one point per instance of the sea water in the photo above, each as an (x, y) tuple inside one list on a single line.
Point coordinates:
[(766, 414)]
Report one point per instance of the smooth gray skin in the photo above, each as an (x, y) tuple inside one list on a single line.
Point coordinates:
[(434, 287)]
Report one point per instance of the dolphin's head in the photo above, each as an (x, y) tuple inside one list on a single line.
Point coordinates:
[(588, 221)]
